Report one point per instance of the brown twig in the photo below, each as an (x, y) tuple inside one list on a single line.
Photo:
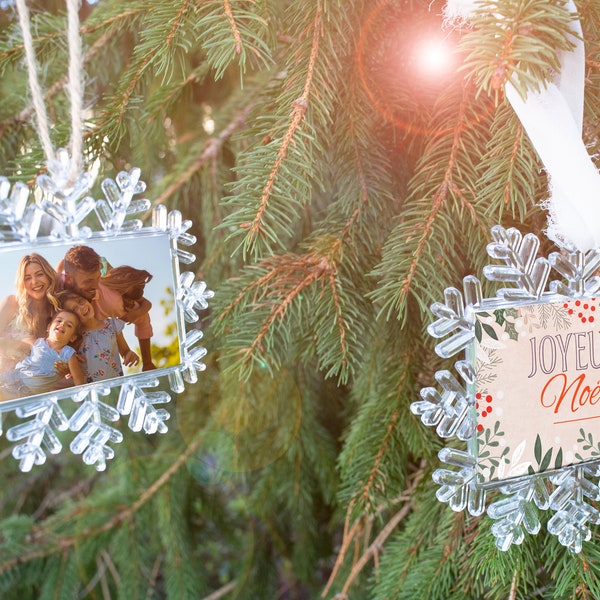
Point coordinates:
[(229, 587), (299, 108), (374, 548), (234, 28), (62, 544), (210, 153)]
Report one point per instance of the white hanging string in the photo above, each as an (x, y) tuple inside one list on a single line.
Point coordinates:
[(75, 85), (36, 92), (553, 120)]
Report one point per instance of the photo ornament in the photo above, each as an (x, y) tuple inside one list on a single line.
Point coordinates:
[(92, 321), (83, 313), (525, 397)]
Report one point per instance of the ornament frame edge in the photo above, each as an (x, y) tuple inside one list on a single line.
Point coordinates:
[(63, 205), (567, 490)]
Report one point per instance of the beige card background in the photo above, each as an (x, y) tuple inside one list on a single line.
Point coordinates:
[(538, 387)]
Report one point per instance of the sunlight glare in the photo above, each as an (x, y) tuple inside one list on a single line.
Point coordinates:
[(434, 58)]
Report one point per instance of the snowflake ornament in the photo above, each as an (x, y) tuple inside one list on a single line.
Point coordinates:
[(64, 199), (523, 397), (119, 204), (63, 205)]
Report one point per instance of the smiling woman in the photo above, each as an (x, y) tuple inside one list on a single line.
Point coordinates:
[(25, 316)]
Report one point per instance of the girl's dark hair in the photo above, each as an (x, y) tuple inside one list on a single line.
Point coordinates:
[(128, 281), (66, 295)]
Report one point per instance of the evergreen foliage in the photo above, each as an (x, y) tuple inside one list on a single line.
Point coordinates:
[(335, 193)]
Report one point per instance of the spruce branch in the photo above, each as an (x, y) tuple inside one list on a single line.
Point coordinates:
[(283, 279), (53, 544), (508, 168), (506, 196), (235, 32), (256, 227), (375, 473), (517, 42), (513, 586), (165, 35), (439, 199), (209, 154), (26, 114), (222, 591), (396, 295), (113, 24), (373, 550)]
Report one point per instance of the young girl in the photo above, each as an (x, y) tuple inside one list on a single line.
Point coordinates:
[(103, 343), (120, 294), (40, 372)]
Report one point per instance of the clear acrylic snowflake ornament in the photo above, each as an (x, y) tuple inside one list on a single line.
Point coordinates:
[(524, 397), (57, 215)]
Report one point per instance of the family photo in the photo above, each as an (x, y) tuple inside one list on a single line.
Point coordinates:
[(71, 315)]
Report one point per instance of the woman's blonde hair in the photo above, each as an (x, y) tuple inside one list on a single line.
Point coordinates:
[(27, 318)]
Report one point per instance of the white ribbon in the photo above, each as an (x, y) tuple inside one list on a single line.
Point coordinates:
[(553, 119)]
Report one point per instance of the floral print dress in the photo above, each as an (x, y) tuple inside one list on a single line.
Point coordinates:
[(99, 347)]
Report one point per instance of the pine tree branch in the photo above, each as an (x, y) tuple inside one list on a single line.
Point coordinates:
[(223, 591), (62, 544), (26, 114), (145, 56), (513, 586), (210, 153), (84, 30), (513, 160), (363, 186), (235, 32), (178, 21), (154, 576), (299, 108), (348, 537), (375, 547), (316, 271), (375, 469), (439, 199), (282, 280), (340, 319)]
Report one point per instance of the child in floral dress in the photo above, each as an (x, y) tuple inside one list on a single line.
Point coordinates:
[(103, 343)]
